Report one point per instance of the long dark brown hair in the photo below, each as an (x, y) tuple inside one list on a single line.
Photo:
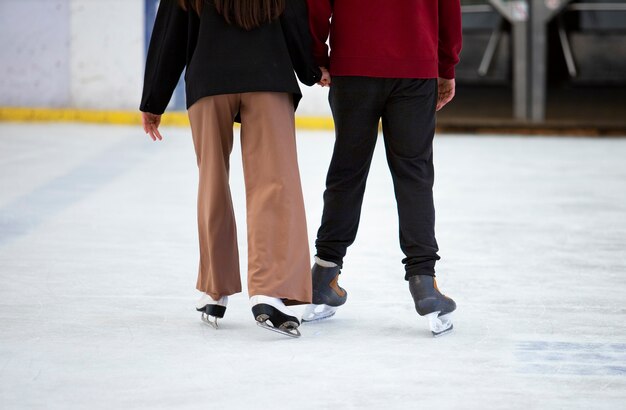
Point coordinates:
[(247, 14)]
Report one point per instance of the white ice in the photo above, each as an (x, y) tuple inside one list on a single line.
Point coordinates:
[(98, 260)]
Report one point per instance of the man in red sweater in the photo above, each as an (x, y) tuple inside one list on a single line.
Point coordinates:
[(391, 60)]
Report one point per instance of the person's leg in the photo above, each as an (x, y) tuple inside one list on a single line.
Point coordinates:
[(278, 250), (211, 121), (409, 128), (357, 105)]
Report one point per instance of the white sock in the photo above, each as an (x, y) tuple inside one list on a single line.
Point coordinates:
[(324, 264)]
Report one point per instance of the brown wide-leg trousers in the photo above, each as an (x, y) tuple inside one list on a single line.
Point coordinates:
[(278, 251)]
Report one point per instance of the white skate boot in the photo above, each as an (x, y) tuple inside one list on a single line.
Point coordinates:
[(272, 314), (212, 309)]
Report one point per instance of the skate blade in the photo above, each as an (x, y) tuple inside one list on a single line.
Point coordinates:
[(207, 319), (294, 332), (314, 313), (440, 325)]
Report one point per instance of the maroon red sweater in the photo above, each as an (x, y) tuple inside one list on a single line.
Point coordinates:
[(387, 38)]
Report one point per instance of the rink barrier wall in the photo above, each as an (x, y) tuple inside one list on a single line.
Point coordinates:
[(87, 55), (175, 119)]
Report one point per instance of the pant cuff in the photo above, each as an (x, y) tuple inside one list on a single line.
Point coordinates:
[(327, 258)]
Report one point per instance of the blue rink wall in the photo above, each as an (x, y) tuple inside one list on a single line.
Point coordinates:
[(85, 54)]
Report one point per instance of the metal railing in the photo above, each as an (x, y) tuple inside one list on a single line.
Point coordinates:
[(528, 20)]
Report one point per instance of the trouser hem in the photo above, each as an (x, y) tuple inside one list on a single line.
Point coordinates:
[(335, 260)]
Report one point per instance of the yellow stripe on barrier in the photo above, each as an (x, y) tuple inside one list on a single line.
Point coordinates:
[(171, 119), (68, 115), (315, 123)]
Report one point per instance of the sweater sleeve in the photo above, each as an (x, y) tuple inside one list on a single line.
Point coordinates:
[(450, 37), (320, 12), (294, 22), (166, 57)]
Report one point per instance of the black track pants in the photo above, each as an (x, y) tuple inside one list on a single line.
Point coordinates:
[(407, 109)]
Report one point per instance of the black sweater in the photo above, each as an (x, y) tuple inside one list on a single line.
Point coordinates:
[(225, 59)]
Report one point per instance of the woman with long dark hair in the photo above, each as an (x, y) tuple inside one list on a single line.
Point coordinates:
[(240, 57)]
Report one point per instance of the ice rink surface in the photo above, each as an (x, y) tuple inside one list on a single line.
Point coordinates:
[(98, 261)]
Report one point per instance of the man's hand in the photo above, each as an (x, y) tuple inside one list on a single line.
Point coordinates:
[(446, 92), (151, 124), (325, 81)]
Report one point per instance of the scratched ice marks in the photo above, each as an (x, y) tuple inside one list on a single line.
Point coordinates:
[(570, 358)]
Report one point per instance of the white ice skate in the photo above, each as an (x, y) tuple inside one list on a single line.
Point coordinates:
[(212, 309), (272, 314)]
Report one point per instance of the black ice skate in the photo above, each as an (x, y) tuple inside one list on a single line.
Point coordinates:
[(327, 294), (212, 309), (431, 303), (272, 314)]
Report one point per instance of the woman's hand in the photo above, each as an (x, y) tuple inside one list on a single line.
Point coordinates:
[(325, 81), (151, 124)]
